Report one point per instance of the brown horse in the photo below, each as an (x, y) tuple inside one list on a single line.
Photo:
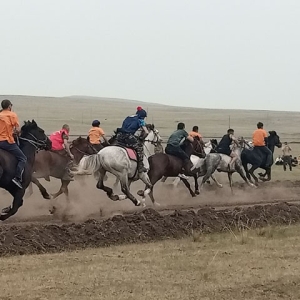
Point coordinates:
[(162, 164), (49, 163)]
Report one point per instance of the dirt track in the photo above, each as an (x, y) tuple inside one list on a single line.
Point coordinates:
[(148, 225), (108, 223)]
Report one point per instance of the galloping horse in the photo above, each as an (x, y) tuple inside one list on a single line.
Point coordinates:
[(209, 147), (49, 163), (220, 162), (120, 162), (32, 138), (165, 165), (258, 160)]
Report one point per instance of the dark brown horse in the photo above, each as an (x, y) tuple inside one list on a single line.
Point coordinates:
[(162, 164), (49, 163), (32, 139)]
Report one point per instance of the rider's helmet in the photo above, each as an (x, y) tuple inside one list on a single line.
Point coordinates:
[(142, 114), (96, 123)]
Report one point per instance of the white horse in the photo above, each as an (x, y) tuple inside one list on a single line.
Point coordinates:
[(115, 160), (220, 162)]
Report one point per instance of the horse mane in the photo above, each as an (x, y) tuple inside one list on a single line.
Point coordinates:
[(28, 125)]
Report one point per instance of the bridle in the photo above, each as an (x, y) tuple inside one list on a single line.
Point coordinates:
[(89, 145), (38, 144)]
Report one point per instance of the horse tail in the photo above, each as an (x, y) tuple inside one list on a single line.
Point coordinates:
[(89, 165)]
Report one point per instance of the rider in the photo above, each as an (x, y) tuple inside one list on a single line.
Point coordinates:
[(61, 146), (224, 147), (174, 147), (126, 137), (260, 140), (195, 134), (95, 133), (9, 124)]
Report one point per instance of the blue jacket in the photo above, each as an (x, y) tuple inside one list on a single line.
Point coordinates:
[(131, 124)]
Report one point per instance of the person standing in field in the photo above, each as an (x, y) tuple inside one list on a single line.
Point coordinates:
[(287, 157), (95, 135)]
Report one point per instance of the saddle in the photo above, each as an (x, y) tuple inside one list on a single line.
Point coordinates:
[(130, 152)]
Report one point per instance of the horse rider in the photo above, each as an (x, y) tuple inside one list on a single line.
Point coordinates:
[(95, 134), (260, 140), (195, 134), (174, 148), (224, 148), (125, 135), (9, 125), (61, 146)]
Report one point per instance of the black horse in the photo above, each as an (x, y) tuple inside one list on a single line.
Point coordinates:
[(32, 138), (258, 159)]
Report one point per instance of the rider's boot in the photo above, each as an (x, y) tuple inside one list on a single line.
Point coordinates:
[(140, 163)]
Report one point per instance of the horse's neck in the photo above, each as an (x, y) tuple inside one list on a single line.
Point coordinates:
[(207, 148), (148, 148), (29, 151), (78, 155), (271, 145), (237, 151)]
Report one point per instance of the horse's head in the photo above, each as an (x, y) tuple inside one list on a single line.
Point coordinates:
[(153, 136), (35, 135), (194, 147), (274, 139), (80, 147), (214, 144)]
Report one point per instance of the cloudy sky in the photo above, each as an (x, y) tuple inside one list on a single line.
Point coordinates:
[(203, 53)]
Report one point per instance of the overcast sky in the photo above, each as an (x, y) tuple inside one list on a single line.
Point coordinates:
[(202, 53)]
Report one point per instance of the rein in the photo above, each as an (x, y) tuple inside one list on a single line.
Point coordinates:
[(36, 143)]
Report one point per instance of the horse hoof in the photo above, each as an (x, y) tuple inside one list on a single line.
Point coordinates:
[(122, 197), (197, 192), (47, 197), (52, 210), (5, 210), (138, 203), (140, 193), (114, 197), (156, 204)]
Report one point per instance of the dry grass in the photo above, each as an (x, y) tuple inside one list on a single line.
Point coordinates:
[(79, 112), (258, 264)]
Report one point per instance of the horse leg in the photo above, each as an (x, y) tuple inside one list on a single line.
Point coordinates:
[(17, 203), (153, 176), (196, 184), (240, 171), (30, 190), (187, 184), (145, 178), (125, 189), (100, 185), (63, 189), (164, 178), (176, 181), (230, 181), (116, 182), (41, 188), (216, 181), (251, 172)]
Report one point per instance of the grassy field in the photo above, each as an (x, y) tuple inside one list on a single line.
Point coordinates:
[(79, 112), (258, 264)]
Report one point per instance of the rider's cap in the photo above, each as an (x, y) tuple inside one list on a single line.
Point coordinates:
[(96, 123)]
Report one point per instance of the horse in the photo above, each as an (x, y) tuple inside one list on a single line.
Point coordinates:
[(165, 165), (32, 139), (256, 159), (209, 147), (51, 164), (220, 162), (121, 162)]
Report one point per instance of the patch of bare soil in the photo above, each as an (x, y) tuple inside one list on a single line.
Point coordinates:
[(145, 226)]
